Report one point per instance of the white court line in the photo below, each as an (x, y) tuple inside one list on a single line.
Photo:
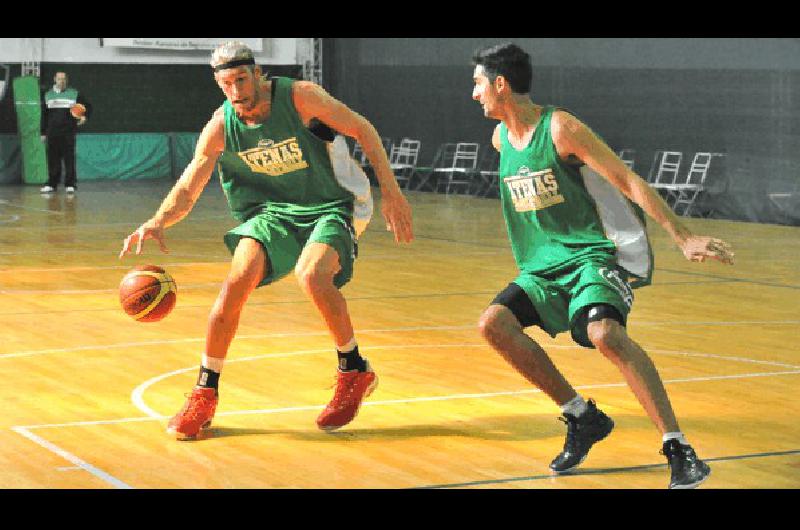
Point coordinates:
[(99, 473), (184, 287), (11, 219), (3, 201), (400, 401), (137, 396), (138, 392), (223, 260), (677, 323), (25, 430), (111, 267), (315, 333), (202, 339), (112, 252)]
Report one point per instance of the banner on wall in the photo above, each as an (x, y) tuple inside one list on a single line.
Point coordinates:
[(182, 43)]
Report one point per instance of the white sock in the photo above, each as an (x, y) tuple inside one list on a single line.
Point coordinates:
[(678, 435), (213, 363), (348, 347), (575, 406)]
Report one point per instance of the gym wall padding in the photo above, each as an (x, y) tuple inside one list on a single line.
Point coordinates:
[(113, 156), (123, 156), (29, 121)]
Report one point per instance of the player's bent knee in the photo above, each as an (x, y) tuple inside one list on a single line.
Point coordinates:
[(314, 276), (607, 335), (249, 263), (496, 323)]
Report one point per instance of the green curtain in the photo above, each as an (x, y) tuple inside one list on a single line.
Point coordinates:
[(112, 156), (27, 100), (123, 156), (183, 145)]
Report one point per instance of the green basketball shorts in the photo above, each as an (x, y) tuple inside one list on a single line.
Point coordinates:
[(559, 298), (284, 237)]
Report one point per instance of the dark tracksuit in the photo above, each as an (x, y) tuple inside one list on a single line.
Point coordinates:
[(60, 127)]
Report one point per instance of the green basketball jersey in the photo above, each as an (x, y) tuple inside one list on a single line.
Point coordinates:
[(553, 220), (278, 166)]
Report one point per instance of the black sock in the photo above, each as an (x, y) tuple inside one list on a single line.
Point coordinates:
[(208, 378), (351, 360)]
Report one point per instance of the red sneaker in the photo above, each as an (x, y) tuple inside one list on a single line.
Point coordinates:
[(351, 389), (195, 415)]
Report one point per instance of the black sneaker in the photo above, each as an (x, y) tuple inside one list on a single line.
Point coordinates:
[(688, 471), (582, 433)]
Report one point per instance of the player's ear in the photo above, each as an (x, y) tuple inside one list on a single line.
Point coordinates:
[(500, 83)]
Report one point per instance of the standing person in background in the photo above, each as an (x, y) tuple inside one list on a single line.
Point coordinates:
[(61, 117)]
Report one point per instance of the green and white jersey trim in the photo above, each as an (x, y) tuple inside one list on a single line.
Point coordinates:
[(61, 100), (623, 225), (352, 178), (60, 103)]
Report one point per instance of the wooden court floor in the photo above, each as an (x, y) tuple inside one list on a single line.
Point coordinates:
[(87, 391)]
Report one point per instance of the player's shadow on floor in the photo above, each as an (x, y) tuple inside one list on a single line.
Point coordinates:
[(495, 428)]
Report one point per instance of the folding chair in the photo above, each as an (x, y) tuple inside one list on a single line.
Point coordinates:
[(463, 167), (627, 156), (786, 200), (425, 174), (666, 164), (682, 192), (403, 160), (488, 171), (686, 192), (654, 165), (361, 157)]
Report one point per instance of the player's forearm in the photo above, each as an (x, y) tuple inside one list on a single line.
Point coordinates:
[(376, 154), (182, 197), (176, 206), (652, 203)]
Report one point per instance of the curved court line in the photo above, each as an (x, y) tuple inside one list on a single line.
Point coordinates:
[(138, 400), (139, 419), (138, 392), (137, 395), (459, 396)]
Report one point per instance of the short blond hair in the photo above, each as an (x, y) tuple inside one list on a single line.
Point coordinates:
[(231, 51)]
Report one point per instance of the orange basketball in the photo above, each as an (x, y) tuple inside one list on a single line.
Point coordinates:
[(147, 293), (77, 110)]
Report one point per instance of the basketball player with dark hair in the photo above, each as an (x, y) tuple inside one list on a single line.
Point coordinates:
[(562, 191), (296, 215)]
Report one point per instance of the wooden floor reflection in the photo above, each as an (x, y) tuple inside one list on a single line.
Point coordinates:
[(88, 391)]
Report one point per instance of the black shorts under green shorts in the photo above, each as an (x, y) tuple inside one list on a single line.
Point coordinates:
[(284, 237), (559, 297)]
